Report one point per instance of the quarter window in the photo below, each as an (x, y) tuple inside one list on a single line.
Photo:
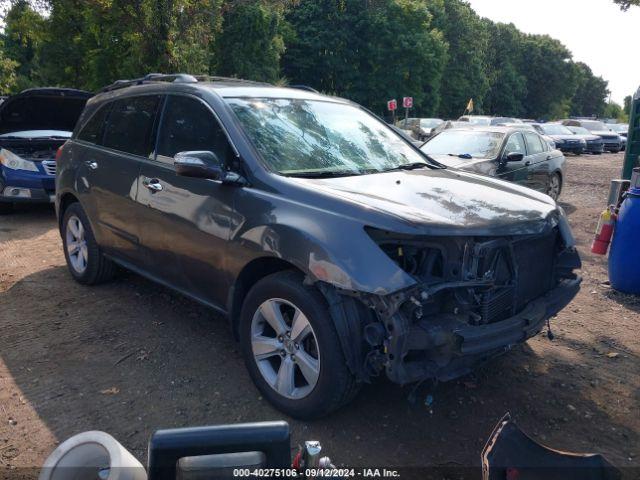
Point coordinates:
[(187, 125), (130, 125), (92, 130), (534, 143)]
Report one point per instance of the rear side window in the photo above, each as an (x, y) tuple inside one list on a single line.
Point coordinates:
[(92, 130), (130, 125), (187, 124), (534, 143)]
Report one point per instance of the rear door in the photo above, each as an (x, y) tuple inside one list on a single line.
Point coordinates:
[(187, 221), (113, 142), (538, 156)]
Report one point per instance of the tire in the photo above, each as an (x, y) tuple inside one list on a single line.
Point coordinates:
[(555, 186), (6, 208), (77, 229), (334, 384)]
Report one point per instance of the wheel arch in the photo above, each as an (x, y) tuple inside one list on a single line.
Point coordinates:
[(66, 199)]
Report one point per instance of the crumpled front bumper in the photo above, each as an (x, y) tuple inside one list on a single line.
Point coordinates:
[(445, 347)]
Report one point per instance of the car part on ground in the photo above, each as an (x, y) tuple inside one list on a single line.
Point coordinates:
[(33, 125), (264, 199), (511, 454), (264, 450)]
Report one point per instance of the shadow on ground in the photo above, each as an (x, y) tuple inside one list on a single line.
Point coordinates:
[(130, 357)]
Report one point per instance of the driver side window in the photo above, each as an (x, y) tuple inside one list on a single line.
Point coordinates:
[(515, 144), (188, 125)]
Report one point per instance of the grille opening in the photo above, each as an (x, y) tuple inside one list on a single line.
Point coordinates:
[(423, 262)]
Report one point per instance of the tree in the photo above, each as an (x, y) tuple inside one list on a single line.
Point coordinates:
[(551, 77), (626, 4), (507, 84), (591, 94), (251, 41), (628, 100), (367, 52), (23, 35), (7, 72), (465, 73)]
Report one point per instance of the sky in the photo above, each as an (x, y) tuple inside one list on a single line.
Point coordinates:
[(597, 32)]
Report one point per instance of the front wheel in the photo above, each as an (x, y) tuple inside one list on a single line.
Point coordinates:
[(291, 348), (84, 258), (555, 186)]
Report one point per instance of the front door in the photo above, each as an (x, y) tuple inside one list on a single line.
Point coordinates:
[(516, 172), (538, 158), (187, 221)]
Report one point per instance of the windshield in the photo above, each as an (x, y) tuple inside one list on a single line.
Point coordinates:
[(618, 127), (465, 143), (556, 129), (308, 137), (430, 122), (595, 126)]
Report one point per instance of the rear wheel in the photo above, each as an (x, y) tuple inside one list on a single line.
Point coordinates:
[(555, 186), (84, 258), (291, 348)]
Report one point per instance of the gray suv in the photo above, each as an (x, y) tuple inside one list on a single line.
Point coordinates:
[(337, 250)]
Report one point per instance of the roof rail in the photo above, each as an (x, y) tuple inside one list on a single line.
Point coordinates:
[(174, 78), (304, 87), (151, 77)]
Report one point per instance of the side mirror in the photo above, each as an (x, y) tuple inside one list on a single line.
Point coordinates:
[(199, 164), (514, 157)]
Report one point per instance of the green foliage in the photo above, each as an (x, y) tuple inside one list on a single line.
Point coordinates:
[(628, 100), (437, 51), (369, 52), (591, 92), (251, 42), (614, 110)]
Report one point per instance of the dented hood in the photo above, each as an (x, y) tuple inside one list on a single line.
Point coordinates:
[(442, 200)]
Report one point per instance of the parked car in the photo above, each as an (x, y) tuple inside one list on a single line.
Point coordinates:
[(406, 135), (476, 120), (512, 154), (594, 143), (33, 124), (563, 138), (504, 120), (612, 141), (425, 126), (529, 127), (621, 129), (338, 250), (449, 124)]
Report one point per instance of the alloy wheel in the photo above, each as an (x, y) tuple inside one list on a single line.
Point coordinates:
[(77, 245), (554, 186), (285, 348)]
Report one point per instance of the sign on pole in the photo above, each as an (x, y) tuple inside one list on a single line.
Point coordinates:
[(407, 102), (392, 105)]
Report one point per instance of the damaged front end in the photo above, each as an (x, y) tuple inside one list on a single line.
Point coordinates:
[(475, 298)]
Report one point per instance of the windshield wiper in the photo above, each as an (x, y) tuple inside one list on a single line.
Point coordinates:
[(409, 166), (466, 156), (325, 174)]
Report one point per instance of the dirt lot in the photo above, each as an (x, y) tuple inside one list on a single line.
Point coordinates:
[(131, 357)]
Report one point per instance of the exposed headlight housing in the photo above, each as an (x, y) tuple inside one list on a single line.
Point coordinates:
[(14, 162)]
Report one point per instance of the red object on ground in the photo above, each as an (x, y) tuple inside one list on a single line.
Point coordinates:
[(604, 233)]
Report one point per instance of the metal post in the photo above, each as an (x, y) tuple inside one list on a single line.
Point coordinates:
[(632, 155)]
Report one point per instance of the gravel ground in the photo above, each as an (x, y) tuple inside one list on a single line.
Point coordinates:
[(130, 357)]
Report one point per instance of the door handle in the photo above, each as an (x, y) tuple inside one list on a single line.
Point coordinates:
[(153, 184), (92, 164), (527, 163)]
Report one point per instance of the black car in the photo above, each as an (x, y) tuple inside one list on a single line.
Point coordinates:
[(337, 250), (565, 140), (621, 129), (594, 143), (612, 141), (517, 155), (33, 124)]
